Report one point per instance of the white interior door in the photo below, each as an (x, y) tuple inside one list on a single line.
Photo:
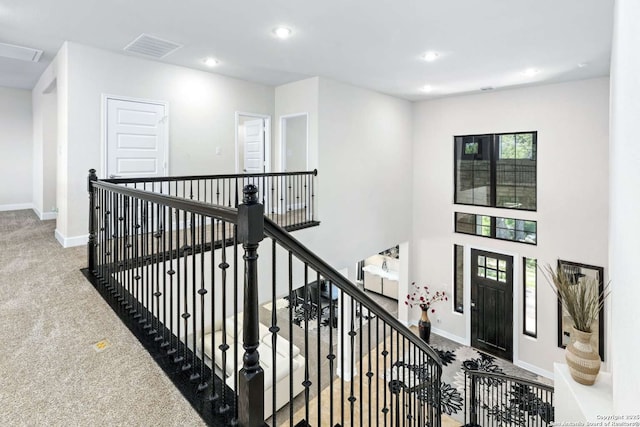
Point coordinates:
[(254, 146), (136, 139)]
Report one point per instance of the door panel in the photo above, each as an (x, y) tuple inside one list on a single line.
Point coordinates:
[(136, 139), (254, 146), (492, 303)]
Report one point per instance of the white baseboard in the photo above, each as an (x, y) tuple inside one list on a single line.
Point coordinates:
[(449, 335), (49, 215), (534, 369), (16, 207), (68, 242), (45, 216)]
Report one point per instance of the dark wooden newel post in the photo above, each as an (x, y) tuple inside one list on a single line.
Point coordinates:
[(91, 245), (251, 380)]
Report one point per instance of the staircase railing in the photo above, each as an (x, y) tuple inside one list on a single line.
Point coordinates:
[(280, 339), (288, 197), (496, 399)]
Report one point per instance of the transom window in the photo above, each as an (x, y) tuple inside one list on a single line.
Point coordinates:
[(497, 227), (496, 170)]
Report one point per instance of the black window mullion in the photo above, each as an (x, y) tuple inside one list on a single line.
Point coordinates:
[(495, 148), (493, 227)]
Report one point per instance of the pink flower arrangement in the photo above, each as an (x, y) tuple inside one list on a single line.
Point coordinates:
[(422, 297)]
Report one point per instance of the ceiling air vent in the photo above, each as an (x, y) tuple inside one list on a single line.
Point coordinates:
[(19, 52), (151, 46)]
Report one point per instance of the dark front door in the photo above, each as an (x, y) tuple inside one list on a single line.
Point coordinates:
[(492, 303)]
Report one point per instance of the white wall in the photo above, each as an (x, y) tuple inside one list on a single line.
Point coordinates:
[(16, 159), (572, 124), (624, 251), (44, 98), (363, 184), (295, 134), (202, 110), (293, 98)]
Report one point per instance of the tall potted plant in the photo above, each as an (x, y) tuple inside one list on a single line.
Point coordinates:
[(582, 302), (422, 297)]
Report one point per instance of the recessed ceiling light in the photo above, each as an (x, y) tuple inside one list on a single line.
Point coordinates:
[(530, 72), (427, 88), (211, 62), (430, 56), (282, 32)]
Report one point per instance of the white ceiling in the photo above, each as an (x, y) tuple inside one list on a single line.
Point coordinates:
[(374, 44)]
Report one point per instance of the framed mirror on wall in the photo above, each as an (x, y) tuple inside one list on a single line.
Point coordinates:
[(579, 273), (294, 133)]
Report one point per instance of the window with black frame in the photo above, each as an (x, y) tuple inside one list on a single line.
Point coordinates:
[(497, 227), (458, 278), (496, 170)]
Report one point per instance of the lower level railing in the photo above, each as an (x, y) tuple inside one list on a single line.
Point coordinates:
[(496, 399), (250, 325), (289, 198)]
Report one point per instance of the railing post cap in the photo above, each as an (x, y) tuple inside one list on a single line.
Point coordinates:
[(250, 194)]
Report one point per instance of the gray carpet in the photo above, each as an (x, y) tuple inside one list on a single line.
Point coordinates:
[(50, 316)]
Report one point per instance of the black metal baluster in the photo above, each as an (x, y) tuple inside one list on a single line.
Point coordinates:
[(369, 366), (171, 273), (274, 329), (404, 355), (154, 268), (378, 369), (224, 346), (319, 346), (352, 358), (282, 194), (307, 306), (358, 319), (188, 251), (342, 324), (213, 396), (331, 355), (313, 181), (164, 276), (179, 274), (291, 304), (235, 305), (194, 292)]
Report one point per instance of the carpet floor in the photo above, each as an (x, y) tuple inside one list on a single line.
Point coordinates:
[(50, 319)]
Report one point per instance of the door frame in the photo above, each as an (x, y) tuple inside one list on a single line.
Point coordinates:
[(267, 138), (104, 131), (283, 139), (516, 294)]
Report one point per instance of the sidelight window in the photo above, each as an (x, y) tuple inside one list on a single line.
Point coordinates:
[(530, 297), (458, 278)]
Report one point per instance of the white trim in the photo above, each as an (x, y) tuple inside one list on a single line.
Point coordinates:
[(283, 140), (45, 216), (267, 138), (449, 335), (68, 242), (534, 369), (103, 139), (16, 207)]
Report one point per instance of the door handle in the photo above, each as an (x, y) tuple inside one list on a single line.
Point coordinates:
[(473, 304), (112, 176)]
